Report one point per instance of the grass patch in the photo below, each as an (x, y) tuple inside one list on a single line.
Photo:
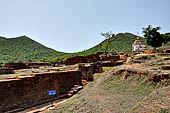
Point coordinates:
[(110, 93), (107, 68)]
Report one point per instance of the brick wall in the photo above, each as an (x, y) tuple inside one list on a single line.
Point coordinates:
[(16, 66), (91, 58), (74, 60), (27, 91), (111, 64), (37, 65), (87, 71), (110, 58), (6, 70)]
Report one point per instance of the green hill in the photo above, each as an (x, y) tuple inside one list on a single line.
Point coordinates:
[(122, 43), (24, 49)]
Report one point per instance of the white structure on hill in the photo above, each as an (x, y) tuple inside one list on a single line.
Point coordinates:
[(138, 45)]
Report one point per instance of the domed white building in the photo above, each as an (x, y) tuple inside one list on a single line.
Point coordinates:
[(139, 45)]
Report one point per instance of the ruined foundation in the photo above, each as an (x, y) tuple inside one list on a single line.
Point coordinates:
[(27, 91), (6, 70)]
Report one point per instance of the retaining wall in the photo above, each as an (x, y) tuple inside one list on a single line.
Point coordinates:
[(28, 91)]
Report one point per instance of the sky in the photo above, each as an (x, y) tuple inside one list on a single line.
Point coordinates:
[(76, 25)]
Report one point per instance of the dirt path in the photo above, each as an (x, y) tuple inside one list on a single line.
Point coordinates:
[(95, 95), (94, 98)]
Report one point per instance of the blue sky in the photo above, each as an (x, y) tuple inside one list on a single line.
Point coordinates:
[(75, 25)]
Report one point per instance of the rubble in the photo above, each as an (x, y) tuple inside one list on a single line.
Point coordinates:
[(74, 90)]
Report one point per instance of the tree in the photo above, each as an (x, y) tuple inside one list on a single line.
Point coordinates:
[(44, 59), (166, 37), (153, 37), (108, 36)]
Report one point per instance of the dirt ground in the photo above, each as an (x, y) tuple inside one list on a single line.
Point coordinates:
[(110, 93)]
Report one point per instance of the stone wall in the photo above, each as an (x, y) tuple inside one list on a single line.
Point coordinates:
[(28, 91)]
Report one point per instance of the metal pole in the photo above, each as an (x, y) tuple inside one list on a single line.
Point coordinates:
[(52, 100)]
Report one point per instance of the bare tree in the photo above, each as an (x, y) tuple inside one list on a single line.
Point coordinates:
[(108, 36)]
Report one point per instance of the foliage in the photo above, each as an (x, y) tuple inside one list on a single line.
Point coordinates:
[(166, 37), (24, 49), (153, 37), (27, 50), (122, 43), (44, 59)]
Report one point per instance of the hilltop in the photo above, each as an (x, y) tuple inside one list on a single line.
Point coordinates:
[(122, 43)]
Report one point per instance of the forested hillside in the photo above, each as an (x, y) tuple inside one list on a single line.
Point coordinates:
[(24, 49), (122, 43)]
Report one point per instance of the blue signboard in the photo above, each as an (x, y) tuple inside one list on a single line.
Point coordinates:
[(52, 92)]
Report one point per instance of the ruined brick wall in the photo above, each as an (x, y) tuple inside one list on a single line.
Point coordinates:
[(16, 66), (74, 60), (87, 71), (27, 91), (91, 58), (37, 65), (83, 59), (110, 64), (153, 76), (6, 70), (110, 58), (97, 67)]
